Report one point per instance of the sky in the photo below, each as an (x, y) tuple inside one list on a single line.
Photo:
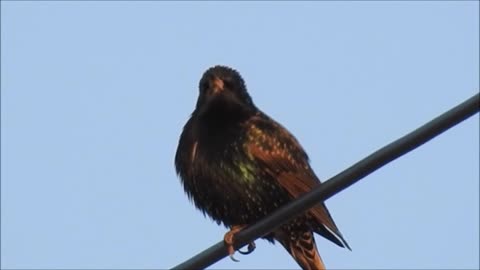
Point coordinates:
[(94, 96)]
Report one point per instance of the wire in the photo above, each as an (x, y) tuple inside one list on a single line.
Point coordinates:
[(339, 182)]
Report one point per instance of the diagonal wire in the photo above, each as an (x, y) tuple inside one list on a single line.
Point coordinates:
[(339, 182)]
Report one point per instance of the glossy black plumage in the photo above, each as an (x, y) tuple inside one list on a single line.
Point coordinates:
[(238, 165)]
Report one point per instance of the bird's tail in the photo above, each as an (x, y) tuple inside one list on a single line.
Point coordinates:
[(303, 249)]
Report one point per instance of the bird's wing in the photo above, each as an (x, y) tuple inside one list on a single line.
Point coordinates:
[(277, 150)]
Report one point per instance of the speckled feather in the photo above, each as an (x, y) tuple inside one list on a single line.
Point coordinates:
[(238, 165)]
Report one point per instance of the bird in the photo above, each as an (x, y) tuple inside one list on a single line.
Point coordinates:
[(238, 165)]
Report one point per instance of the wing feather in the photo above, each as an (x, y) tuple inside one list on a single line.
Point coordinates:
[(284, 158)]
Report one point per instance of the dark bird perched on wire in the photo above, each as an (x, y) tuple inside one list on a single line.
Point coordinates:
[(239, 165)]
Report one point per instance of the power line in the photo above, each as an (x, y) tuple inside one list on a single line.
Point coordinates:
[(339, 182)]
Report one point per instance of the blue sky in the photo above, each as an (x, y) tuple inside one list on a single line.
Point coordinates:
[(95, 94)]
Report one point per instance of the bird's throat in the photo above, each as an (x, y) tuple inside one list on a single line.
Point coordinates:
[(221, 112)]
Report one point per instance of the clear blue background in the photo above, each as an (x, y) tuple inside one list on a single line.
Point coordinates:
[(95, 94)]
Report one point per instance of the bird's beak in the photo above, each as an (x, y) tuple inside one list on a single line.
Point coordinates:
[(216, 85)]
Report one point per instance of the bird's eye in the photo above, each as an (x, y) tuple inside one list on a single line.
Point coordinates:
[(204, 86), (227, 82)]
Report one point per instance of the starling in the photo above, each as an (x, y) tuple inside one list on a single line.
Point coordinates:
[(238, 165)]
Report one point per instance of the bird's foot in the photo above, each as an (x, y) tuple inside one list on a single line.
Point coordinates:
[(229, 242)]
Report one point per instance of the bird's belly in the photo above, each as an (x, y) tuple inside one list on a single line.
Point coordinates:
[(234, 199)]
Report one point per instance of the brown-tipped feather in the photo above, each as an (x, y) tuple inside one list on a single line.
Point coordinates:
[(303, 250), (285, 160)]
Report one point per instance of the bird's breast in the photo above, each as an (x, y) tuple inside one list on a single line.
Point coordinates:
[(229, 186)]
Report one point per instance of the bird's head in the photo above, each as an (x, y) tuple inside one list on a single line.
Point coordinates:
[(225, 87)]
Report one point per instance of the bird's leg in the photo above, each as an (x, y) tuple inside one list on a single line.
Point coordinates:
[(229, 242)]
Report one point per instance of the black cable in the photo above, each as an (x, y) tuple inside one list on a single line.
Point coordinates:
[(339, 182)]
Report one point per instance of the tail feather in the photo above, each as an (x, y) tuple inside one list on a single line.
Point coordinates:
[(304, 250)]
